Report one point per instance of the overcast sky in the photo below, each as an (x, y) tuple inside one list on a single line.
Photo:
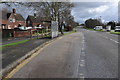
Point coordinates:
[(85, 10)]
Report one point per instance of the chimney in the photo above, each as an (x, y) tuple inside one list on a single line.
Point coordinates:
[(14, 10), (35, 15)]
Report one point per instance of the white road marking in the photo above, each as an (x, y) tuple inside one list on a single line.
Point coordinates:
[(113, 35), (82, 63), (114, 41), (83, 53), (110, 39), (81, 76)]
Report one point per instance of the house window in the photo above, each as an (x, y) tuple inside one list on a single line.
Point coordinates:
[(44, 22), (9, 27), (28, 22), (3, 26), (15, 26), (11, 20)]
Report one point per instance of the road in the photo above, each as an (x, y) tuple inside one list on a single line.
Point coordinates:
[(85, 54), (13, 53)]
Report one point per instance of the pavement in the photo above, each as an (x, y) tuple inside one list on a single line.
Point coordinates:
[(13, 53), (85, 54), (60, 59)]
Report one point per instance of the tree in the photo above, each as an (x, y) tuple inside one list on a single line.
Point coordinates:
[(91, 23), (56, 11), (112, 24)]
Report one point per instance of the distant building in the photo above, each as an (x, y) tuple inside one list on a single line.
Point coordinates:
[(33, 21), (11, 20)]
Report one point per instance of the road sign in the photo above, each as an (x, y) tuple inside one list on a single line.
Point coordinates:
[(54, 29)]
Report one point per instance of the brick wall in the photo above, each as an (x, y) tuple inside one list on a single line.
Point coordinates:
[(21, 33), (6, 33)]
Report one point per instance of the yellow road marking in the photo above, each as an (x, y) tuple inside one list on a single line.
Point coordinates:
[(24, 62)]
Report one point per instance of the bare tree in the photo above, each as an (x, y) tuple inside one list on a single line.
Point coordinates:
[(57, 11)]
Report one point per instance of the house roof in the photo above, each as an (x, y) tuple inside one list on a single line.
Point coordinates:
[(19, 17), (33, 19), (38, 19), (5, 15)]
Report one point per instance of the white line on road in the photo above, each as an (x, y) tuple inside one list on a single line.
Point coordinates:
[(82, 63), (110, 39), (83, 53), (81, 76), (113, 34), (81, 68), (114, 41)]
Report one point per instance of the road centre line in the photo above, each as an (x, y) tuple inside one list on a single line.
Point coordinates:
[(110, 39), (81, 76), (82, 63), (114, 41)]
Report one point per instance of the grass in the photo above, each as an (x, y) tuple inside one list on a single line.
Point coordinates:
[(115, 32), (103, 31), (13, 44), (23, 41), (20, 42), (94, 29)]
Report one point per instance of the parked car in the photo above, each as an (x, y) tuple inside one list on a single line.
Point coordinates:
[(117, 29), (108, 28), (28, 28), (98, 28)]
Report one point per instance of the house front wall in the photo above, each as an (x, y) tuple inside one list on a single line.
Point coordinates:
[(28, 22), (35, 24), (3, 24), (13, 23)]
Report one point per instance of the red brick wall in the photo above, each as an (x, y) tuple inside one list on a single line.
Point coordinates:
[(4, 22), (35, 24), (11, 24), (21, 33), (6, 33), (16, 23)]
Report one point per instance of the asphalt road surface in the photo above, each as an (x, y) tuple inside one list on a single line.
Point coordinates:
[(85, 54)]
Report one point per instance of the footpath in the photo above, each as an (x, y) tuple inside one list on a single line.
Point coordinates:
[(10, 55)]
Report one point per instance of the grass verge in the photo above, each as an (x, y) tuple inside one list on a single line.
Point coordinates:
[(13, 44), (115, 33), (95, 30)]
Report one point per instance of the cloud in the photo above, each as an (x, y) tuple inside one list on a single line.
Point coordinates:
[(86, 10), (98, 9)]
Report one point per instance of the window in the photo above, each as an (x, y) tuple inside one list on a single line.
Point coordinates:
[(9, 27), (15, 26), (11, 20), (28, 22), (3, 26)]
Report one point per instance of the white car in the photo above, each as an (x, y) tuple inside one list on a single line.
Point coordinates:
[(117, 29), (98, 28)]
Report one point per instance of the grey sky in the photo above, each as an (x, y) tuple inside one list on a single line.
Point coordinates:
[(85, 10)]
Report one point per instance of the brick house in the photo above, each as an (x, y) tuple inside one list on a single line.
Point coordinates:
[(33, 21), (3, 20), (11, 20)]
